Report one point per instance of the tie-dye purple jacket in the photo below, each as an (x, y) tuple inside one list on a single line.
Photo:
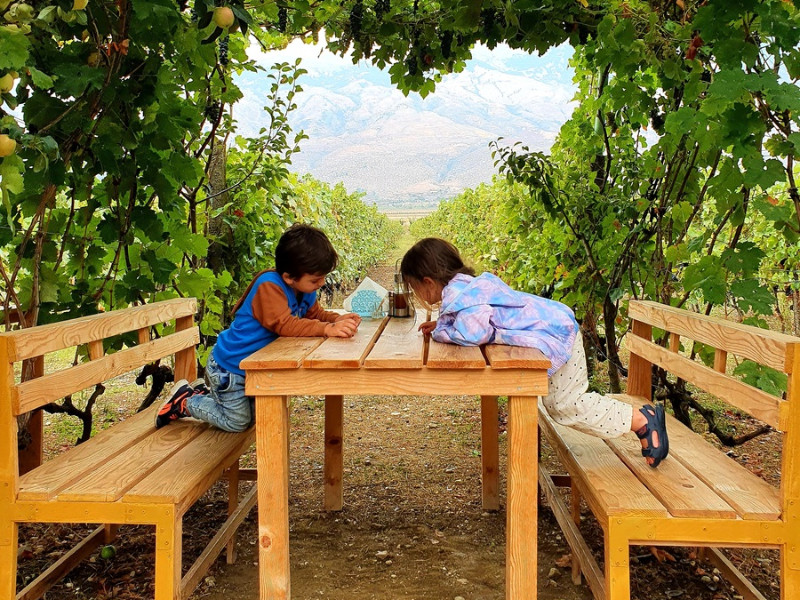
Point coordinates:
[(484, 310)]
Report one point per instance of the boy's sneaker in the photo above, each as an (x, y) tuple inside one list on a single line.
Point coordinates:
[(175, 407), (200, 386)]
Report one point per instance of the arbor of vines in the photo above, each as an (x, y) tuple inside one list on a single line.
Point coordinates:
[(121, 116)]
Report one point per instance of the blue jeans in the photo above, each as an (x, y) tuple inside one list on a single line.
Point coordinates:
[(226, 407)]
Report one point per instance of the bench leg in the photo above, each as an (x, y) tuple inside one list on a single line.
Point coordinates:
[(618, 577), (790, 576), (233, 502), (9, 531), (168, 556), (334, 459), (490, 454), (575, 509)]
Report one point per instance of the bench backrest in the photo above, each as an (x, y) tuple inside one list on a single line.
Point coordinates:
[(768, 348), (34, 343)]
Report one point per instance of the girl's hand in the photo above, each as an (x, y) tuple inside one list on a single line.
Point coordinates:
[(427, 327), (343, 328), (352, 316)]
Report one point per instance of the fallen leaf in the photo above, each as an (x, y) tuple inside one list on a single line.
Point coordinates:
[(564, 561)]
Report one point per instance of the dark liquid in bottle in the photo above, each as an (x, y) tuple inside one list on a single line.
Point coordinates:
[(400, 301)]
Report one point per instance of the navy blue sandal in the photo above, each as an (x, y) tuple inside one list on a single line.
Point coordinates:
[(656, 422)]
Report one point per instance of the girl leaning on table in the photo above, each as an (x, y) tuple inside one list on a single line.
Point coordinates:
[(484, 310), (278, 302)]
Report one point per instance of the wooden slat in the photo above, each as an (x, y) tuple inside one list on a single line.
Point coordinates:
[(758, 403), (515, 357), (400, 346), (34, 341), (45, 482), (283, 353), (346, 353), (452, 356), (749, 495), (192, 468), (606, 483), (761, 345), (37, 392), (640, 371), (111, 479), (676, 487), (424, 381)]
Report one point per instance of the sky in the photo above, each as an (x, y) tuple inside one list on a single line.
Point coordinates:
[(408, 152)]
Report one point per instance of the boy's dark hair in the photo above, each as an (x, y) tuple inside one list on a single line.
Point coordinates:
[(435, 258), (304, 250)]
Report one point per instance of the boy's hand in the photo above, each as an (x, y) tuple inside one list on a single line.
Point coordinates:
[(427, 327), (352, 316), (343, 328)]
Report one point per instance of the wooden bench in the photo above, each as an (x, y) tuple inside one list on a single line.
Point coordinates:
[(130, 473), (698, 496)]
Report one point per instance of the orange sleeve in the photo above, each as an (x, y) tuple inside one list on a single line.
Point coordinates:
[(316, 312), (271, 309)]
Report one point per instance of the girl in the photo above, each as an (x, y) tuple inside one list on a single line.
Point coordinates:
[(484, 310)]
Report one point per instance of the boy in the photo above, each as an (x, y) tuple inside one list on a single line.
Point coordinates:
[(279, 302)]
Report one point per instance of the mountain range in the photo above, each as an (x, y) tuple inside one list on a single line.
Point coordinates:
[(406, 152)]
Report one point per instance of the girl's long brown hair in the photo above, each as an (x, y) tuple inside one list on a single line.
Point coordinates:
[(435, 258)]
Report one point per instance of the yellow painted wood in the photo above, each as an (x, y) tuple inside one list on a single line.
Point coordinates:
[(722, 533), (86, 512), (346, 353), (452, 356), (751, 497), (37, 392), (675, 486), (400, 346), (322, 382), (272, 454), (9, 535), (490, 454), (9, 459), (69, 467), (36, 341), (761, 345), (283, 353), (522, 510), (334, 457), (515, 357), (760, 404), (790, 459), (115, 476), (169, 532), (607, 485), (187, 473)]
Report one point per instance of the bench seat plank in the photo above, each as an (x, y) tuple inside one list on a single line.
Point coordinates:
[(46, 481), (515, 357), (750, 496), (283, 353), (606, 482), (396, 349), (110, 480), (672, 483), (346, 353), (190, 471)]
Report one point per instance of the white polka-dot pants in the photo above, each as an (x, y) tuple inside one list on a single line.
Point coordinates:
[(569, 404)]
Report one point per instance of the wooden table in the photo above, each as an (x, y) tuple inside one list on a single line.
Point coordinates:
[(390, 357)]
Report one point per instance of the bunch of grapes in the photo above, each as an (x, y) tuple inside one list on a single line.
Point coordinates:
[(381, 8), (283, 19), (356, 18), (223, 50), (212, 111), (447, 44)]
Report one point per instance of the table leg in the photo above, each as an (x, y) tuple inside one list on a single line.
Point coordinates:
[(334, 412), (490, 454), (272, 455), (522, 507)]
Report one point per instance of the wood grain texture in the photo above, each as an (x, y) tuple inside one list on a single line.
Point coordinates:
[(283, 353), (54, 386), (400, 346), (515, 357), (272, 455), (490, 454), (760, 345), (760, 404), (452, 356), (35, 341), (640, 370), (334, 457), (749, 495), (346, 353)]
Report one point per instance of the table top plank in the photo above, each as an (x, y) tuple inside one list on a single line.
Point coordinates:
[(515, 357), (400, 346), (283, 353), (453, 356), (346, 353)]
